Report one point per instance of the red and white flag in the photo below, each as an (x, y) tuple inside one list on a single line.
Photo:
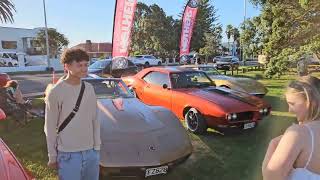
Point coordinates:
[(188, 21), (122, 27)]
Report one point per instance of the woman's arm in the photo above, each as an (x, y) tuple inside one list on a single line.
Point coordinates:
[(19, 97), (271, 148), (285, 154)]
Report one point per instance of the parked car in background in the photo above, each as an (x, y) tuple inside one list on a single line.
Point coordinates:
[(4, 78), (192, 96), (103, 68), (216, 58), (187, 59), (251, 62), (9, 58), (146, 60), (93, 60), (227, 62), (247, 85)]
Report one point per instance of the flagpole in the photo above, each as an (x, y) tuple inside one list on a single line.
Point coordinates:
[(114, 19), (46, 31)]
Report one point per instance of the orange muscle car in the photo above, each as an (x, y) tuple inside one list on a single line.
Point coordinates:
[(191, 95)]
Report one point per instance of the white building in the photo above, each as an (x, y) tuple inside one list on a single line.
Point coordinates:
[(18, 40), (22, 42)]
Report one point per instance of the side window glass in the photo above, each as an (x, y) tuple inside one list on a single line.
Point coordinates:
[(157, 78)]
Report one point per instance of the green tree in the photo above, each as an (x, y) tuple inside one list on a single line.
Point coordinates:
[(6, 11), (154, 31), (229, 31), (212, 42), (206, 22), (235, 34), (57, 41), (250, 38), (287, 27), (236, 37)]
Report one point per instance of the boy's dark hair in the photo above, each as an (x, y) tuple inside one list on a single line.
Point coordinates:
[(74, 54)]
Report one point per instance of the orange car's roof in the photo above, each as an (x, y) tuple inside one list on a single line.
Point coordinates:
[(169, 69)]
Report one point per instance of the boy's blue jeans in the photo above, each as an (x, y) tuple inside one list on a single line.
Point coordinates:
[(82, 165)]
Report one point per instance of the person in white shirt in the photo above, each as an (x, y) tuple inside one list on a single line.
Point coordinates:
[(295, 155), (73, 147)]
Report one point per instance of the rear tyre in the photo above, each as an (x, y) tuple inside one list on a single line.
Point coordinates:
[(195, 122), (147, 64), (159, 63)]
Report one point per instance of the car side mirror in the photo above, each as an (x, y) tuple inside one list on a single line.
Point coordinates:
[(165, 86), (2, 115)]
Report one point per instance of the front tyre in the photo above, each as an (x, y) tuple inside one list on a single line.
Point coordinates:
[(195, 122)]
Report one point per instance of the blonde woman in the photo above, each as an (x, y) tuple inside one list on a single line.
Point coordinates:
[(296, 154)]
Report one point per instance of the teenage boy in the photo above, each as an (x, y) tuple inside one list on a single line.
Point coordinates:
[(71, 128)]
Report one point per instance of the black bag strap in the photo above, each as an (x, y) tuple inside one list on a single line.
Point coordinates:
[(74, 111)]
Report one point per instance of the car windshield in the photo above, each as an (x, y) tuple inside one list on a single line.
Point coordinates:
[(110, 89), (99, 65), (193, 79), (13, 56), (209, 70), (150, 57)]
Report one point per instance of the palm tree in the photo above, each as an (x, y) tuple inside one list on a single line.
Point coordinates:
[(236, 36), (6, 11), (229, 32)]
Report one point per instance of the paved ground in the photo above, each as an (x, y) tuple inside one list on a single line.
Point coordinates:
[(33, 83)]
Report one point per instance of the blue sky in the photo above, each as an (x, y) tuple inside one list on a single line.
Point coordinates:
[(80, 20)]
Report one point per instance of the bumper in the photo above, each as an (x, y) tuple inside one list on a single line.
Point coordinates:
[(237, 125), (221, 123), (138, 171)]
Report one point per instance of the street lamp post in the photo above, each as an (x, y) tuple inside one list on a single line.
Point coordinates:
[(46, 31), (244, 25)]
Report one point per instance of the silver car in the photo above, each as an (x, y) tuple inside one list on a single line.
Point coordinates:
[(137, 139)]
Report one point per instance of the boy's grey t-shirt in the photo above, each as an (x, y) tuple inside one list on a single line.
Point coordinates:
[(83, 131)]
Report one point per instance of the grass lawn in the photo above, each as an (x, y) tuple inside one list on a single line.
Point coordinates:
[(216, 156)]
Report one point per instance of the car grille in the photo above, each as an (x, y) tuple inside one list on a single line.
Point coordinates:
[(242, 116)]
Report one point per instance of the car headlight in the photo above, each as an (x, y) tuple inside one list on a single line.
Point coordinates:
[(263, 111), (232, 116)]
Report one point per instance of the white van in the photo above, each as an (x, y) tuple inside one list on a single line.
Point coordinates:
[(9, 59)]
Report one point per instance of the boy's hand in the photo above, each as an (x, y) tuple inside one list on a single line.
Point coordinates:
[(53, 165)]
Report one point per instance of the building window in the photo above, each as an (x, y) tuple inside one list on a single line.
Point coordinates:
[(34, 43), (9, 44)]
